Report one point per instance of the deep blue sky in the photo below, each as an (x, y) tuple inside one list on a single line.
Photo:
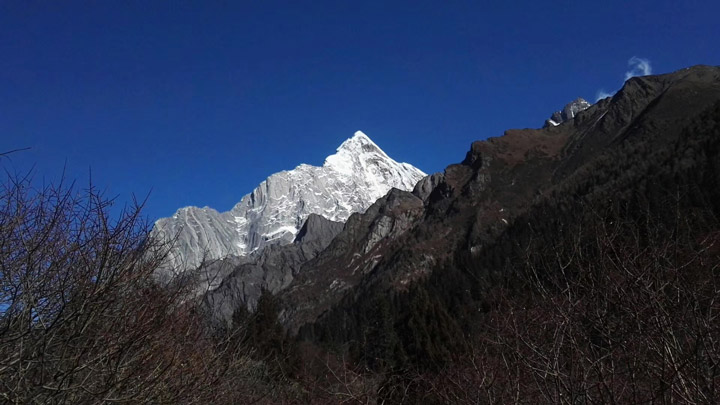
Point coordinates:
[(200, 101)]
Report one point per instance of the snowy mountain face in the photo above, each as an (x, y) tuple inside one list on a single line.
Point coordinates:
[(349, 181), (568, 112)]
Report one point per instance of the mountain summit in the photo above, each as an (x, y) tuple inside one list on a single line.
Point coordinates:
[(349, 181), (567, 113)]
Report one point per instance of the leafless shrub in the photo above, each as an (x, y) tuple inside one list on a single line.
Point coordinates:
[(82, 318), (615, 314)]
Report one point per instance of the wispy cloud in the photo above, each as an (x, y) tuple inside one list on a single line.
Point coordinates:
[(601, 94), (638, 67)]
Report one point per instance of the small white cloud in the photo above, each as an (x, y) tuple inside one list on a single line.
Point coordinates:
[(638, 67), (601, 94)]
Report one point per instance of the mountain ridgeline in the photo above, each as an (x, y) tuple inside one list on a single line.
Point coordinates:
[(597, 234), (529, 227), (575, 263), (349, 181)]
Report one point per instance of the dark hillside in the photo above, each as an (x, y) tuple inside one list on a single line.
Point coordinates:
[(603, 286)]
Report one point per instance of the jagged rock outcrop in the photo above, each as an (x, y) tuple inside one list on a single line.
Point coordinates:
[(273, 269), (326, 259), (468, 205), (350, 257), (427, 184), (403, 237), (568, 112), (350, 181)]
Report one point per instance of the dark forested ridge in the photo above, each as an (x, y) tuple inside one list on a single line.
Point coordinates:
[(569, 264), (604, 288)]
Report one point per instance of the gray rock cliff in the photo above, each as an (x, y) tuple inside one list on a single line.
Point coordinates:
[(349, 181)]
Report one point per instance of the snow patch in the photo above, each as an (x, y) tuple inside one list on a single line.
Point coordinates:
[(349, 181)]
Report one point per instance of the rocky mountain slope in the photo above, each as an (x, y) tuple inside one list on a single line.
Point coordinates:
[(467, 207), (273, 269), (404, 237), (562, 259), (349, 181)]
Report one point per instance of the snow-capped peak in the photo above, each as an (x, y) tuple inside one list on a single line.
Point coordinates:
[(349, 181), (358, 136), (360, 142), (352, 152), (568, 112)]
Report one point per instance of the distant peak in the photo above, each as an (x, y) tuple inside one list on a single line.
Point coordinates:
[(352, 151), (360, 143), (568, 112), (360, 138), (360, 134)]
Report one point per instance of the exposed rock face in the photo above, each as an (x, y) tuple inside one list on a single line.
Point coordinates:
[(273, 269), (568, 112), (468, 205), (349, 181), (326, 259), (317, 229), (405, 236), (350, 257), (424, 187)]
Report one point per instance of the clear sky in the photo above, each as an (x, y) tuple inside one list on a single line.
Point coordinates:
[(199, 101)]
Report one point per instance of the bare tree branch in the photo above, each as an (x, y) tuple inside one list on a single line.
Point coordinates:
[(13, 151)]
